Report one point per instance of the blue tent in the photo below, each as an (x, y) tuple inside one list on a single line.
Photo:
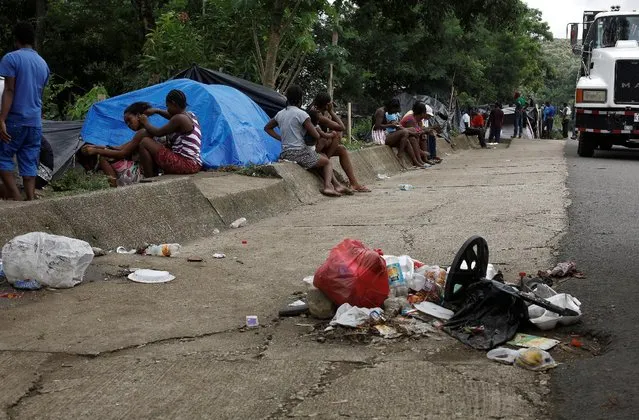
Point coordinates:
[(232, 124)]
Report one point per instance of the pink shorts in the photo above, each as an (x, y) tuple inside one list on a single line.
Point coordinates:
[(172, 163)]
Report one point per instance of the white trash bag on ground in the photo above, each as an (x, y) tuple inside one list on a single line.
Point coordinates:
[(54, 261)]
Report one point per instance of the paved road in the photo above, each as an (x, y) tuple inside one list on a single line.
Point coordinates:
[(603, 238)]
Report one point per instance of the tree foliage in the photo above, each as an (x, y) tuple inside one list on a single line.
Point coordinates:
[(484, 50)]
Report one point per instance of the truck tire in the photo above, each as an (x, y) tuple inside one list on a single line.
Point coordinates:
[(586, 145)]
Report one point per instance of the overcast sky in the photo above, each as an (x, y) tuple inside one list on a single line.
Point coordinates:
[(558, 13)]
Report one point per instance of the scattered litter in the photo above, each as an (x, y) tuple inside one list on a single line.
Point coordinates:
[(10, 295), (298, 302), (219, 256), (429, 308), (382, 177), (387, 332), (244, 242), (308, 280), (98, 252), (352, 316), (533, 341), (576, 342), (54, 261), (123, 250), (216, 231), (563, 269), (151, 276), (252, 321), (241, 222), (532, 359), (406, 187), (163, 250), (296, 308), (27, 285), (547, 320), (194, 259), (503, 355), (535, 359)]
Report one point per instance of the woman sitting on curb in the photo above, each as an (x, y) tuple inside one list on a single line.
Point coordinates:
[(332, 146), (119, 163), (182, 153), (294, 124), (388, 131)]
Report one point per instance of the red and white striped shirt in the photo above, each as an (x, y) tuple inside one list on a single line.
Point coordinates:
[(188, 144)]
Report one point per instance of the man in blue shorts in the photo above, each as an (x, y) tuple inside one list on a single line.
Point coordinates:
[(25, 75)]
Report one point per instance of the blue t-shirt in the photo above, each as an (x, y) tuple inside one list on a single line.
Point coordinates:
[(31, 73), (549, 112)]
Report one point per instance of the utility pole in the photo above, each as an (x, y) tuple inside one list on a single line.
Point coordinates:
[(334, 39)]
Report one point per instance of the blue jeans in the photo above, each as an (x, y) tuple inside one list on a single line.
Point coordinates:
[(432, 147), (25, 145)]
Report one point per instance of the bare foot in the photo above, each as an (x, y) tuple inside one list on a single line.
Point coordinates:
[(344, 191), (361, 189), (329, 192)]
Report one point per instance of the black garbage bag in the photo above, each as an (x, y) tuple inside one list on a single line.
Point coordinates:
[(487, 317)]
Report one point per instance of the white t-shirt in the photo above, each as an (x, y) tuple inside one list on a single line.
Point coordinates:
[(466, 118), (291, 122), (567, 112)]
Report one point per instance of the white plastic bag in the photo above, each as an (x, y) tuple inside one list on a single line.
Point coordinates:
[(352, 316), (54, 261)]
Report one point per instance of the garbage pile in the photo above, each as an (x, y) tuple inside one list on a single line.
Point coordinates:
[(390, 296)]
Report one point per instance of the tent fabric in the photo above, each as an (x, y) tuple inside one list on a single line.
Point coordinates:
[(267, 99), (232, 124), (64, 138)]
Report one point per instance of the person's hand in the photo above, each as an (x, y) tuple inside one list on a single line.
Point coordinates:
[(143, 119), (4, 135), (330, 107), (150, 111)]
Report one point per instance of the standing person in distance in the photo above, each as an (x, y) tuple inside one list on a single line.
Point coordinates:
[(495, 123), (25, 76), (566, 114)]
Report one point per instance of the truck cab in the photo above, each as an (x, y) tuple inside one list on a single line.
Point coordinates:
[(607, 93)]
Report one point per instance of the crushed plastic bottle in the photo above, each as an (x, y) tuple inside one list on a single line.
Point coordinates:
[(396, 281), (163, 250), (406, 187), (241, 222)]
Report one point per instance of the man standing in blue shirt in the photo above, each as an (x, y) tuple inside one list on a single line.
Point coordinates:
[(549, 119), (25, 76)]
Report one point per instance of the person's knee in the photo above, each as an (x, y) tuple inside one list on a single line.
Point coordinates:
[(146, 142)]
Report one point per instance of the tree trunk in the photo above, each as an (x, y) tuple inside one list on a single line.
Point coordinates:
[(273, 44), (145, 9), (41, 11)]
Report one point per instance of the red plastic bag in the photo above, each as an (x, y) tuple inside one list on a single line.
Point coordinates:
[(353, 274)]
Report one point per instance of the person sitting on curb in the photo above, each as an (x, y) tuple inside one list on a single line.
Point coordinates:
[(182, 153), (413, 122), (119, 163), (294, 124), (477, 128), (331, 123), (388, 131)]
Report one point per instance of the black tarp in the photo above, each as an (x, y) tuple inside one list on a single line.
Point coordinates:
[(440, 110), (64, 138), (267, 99)]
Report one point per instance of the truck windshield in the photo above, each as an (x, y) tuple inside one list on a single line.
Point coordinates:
[(610, 29)]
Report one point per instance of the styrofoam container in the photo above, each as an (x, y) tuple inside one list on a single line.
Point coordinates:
[(547, 320), (150, 276)]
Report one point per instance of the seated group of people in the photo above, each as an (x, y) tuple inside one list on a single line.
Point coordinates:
[(175, 147), (311, 137), (410, 134)]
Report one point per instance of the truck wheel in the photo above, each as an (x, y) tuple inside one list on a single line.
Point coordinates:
[(586, 146)]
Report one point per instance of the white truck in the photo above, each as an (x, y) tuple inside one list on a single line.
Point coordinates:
[(607, 93)]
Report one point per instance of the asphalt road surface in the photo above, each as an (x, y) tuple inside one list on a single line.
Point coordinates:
[(603, 240)]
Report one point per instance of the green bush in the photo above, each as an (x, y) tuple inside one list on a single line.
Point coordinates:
[(78, 181), (79, 109)]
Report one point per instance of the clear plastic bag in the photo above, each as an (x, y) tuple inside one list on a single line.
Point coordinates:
[(54, 261)]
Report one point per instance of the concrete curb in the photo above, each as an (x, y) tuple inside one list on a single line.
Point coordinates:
[(185, 208)]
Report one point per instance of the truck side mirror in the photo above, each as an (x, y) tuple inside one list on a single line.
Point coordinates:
[(574, 33)]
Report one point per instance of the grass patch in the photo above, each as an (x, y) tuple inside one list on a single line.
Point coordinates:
[(259, 171), (356, 145), (76, 181)]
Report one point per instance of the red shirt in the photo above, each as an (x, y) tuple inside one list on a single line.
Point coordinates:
[(410, 119), (477, 121)]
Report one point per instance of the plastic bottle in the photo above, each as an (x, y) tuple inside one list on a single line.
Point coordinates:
[(396, 281), (238, 223), (163, 250)]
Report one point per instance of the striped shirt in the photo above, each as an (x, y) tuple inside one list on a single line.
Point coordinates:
[(188, 144)]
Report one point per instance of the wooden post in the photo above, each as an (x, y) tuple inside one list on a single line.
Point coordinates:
[(349, 126)]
